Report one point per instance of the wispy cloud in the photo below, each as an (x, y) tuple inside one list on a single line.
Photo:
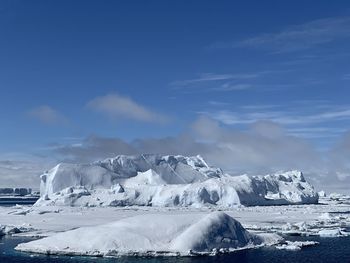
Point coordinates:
[(307, 119), (259, 106), (218, 103), (212, 77), (121, 107), (232, 86), (229, 82), (48, 115), (298, 37), (282, 117), (316, 132)]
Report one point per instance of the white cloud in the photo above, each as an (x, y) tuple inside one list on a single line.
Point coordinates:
[(117, 106), (48, 115)]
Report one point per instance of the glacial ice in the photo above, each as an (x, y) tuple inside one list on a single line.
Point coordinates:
[(166, 181)]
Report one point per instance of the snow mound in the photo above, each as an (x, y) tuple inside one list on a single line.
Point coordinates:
[(153, 235), (153, 180)]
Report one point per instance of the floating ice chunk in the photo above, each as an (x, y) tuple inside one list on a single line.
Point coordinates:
[(296, 245), (337, 232)]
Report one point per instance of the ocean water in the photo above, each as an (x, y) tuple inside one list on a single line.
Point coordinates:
[(329, 250)]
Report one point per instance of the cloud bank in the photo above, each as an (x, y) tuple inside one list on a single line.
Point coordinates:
[(22, 171), (263, 148)]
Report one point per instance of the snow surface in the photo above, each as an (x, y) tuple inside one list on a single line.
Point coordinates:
[(167, 181), (153, 235)]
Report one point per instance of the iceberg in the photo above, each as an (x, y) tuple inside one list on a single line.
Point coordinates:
[(167, 181)]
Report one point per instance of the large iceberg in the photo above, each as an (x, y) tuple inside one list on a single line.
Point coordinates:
[(154, 235), (154, 180)]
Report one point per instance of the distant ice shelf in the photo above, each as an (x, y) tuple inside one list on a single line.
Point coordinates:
[(12, 196), (8, 191)]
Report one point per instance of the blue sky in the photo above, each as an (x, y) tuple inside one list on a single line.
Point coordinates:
[(74, 70)]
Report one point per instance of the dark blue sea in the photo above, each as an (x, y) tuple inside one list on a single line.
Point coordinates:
[(329, 250)]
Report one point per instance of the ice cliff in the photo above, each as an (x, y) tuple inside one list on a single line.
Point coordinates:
[(154, 180)]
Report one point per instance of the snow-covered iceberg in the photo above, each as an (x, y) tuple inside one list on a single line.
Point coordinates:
[(154, 180), (154, 235)]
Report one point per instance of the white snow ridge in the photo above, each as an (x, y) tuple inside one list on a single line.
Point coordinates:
[(165, 181), (168, 235)]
